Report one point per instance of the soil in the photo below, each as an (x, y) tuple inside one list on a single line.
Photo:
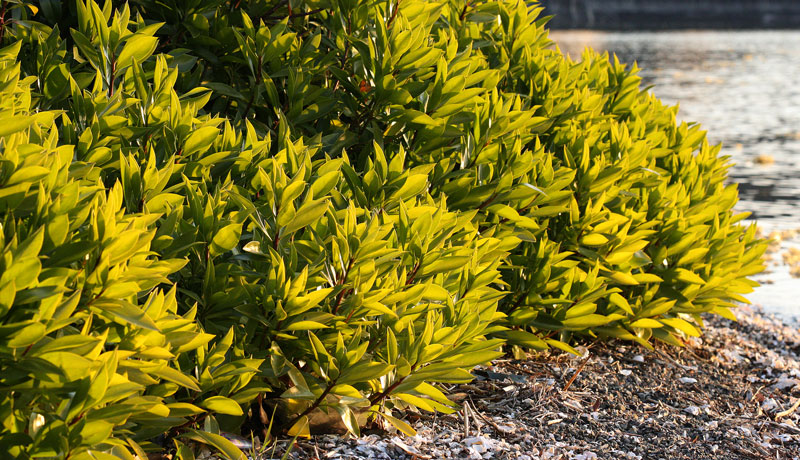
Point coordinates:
[(734, 393)]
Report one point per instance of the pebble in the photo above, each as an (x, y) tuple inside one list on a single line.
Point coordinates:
[(694, 410), (687, 380), (784, 383), (769, 405), (625, 372)]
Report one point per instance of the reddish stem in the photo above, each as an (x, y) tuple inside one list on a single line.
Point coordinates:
[(376, 398)]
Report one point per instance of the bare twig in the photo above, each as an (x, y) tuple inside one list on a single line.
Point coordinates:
[(491, 422), (465, 412), (789, 410), (575, 375), (674, 362)]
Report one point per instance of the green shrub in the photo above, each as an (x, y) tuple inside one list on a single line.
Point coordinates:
[(625, 219), (218, 215)]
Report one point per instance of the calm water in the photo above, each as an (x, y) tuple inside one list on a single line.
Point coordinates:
[(744, 88)]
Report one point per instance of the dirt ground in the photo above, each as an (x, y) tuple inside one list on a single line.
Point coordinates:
[(734, 393)]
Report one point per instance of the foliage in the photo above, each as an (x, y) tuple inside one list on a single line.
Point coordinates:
[(219, 215)]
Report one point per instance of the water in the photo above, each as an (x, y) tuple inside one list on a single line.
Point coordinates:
[(744, 88)]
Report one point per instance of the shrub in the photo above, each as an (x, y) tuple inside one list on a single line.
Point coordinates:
[(218, 215)]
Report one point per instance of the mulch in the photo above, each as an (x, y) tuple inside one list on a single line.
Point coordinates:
[(734, 393)]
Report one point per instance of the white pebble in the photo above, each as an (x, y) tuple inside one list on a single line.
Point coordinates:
[(769, 405), (694, 410), (783, 383)]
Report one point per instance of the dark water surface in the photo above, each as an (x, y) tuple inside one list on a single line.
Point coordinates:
[(744, 88)]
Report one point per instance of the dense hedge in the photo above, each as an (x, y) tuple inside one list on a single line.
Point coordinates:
[(245, 215)]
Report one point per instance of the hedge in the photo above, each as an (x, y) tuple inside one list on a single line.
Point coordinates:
[(271, 216)]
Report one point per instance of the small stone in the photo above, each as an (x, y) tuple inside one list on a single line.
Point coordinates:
[(765, 159), (784, 383), (687, 380), (625, 372), (694, 410), (769, 405), (638, 358)]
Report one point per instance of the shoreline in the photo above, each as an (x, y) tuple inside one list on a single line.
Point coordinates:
[(732, 393)]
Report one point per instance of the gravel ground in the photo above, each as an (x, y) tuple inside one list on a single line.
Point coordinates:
[(732, 394)]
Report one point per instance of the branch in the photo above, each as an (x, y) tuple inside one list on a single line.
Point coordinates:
[(2, 19), (255, 87), (376, 398), (518, 302), (464, 11), (394, 15), (341, 281), (488, 201), (413, 273), (313, 405), (293, 15)]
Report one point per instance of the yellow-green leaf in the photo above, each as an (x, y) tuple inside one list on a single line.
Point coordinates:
[(304, 326), (136, 49), (28, 335), (401, 426), (623, 278), (222, 405), (179, 409), (225, 239), (681, 325), (175, 376), (301, 428), (222, 445), (688, 277), (646, 323), (307, 214), (200, 140), (621, 302), (594, 239)]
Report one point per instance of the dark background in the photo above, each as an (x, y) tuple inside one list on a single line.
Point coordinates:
[(672, 14)]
